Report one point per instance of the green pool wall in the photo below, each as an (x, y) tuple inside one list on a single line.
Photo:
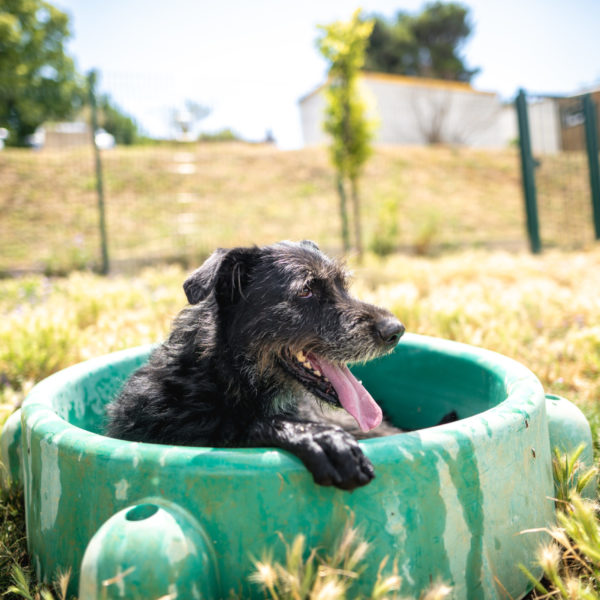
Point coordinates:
[(448, 502)]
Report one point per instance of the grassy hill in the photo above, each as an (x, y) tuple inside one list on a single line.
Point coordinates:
[(178, 201)]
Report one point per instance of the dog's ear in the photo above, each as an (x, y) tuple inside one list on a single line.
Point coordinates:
[(225, 272), (234, 274), (309, 244), (202, 281)]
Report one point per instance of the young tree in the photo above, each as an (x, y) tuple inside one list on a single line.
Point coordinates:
[(343, 44), (38, 80)]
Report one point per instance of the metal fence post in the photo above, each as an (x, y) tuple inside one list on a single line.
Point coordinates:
[(104, 262), (591, 143), (528, 174)]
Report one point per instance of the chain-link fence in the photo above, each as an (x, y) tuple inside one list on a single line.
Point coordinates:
[(560, 166), (177, 200), (163, 200)]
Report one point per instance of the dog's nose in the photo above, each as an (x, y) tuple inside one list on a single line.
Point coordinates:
[(390, 330)]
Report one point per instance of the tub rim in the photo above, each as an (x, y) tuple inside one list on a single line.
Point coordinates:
[(525, 396)]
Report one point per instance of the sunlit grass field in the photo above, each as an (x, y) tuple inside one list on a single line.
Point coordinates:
[(544, 311), (194, 197)]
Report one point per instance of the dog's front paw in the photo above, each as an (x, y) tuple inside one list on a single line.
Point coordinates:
[(334, 457)]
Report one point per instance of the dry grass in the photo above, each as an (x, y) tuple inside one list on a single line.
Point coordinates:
[(244, 194), (241, 193), (543, 311)]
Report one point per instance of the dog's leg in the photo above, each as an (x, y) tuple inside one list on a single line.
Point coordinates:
[(331, 454)]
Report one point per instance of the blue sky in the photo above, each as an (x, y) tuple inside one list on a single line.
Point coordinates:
[(251, 60)]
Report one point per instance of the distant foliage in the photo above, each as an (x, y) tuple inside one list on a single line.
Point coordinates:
[(223, 135), (424, 45), (38, 80), (115, 121)]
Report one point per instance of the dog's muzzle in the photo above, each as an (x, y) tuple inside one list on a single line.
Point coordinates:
[(336, 385)]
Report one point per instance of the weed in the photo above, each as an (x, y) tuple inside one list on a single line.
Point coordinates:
[(385, 235), (329, 577), (571, 560), (427, 232), (570, 478)]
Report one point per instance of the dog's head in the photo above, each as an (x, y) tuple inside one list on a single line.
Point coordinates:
[(287, 310)]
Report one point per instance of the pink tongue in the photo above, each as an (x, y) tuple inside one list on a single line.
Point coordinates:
[(353, 396)]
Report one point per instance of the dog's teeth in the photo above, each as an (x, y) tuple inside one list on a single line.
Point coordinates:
[(301, 356), (317, 372)]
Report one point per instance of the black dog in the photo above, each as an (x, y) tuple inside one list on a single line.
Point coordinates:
[(264, 327)]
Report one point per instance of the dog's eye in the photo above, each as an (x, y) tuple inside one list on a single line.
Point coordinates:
[(306, 292)]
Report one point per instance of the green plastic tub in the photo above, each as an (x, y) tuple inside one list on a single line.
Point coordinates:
[(448, 503)]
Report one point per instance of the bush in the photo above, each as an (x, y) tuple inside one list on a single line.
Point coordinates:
[(385, 235)]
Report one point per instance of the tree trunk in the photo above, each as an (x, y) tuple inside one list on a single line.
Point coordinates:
[(357, 220), (343, 214)]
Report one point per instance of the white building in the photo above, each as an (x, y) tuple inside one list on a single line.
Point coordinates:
[(69, 135), (418, 111), (556, 123)]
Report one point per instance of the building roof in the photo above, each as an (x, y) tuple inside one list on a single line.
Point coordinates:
[(407, 80)]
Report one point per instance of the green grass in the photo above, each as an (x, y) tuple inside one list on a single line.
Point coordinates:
[(543, 311), (571, 560)]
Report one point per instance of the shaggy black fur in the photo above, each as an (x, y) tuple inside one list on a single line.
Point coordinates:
[(226, 375)]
